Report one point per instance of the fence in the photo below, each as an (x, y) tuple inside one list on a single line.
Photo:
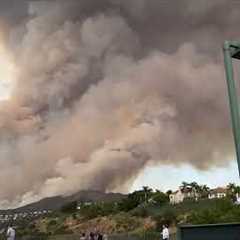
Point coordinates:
[(209, 232)]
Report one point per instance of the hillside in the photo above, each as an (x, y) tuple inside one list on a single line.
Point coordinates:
[(135, 214), (54, 203)]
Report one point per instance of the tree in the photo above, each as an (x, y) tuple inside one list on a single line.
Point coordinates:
[(131, 202), (135, 199), (232, 191), (160, 198), (169, 192), (147, 193), (91, 211), (168, 217), (231, 187), (184, 186), (237, 189), (204, 191), (69, 207), (109, 208), (195, 187)]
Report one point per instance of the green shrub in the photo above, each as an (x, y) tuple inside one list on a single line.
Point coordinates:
[(223, 211), (160, 198), (62, 230), (139, 212), (52, 222), (69, 207), (168, 217)]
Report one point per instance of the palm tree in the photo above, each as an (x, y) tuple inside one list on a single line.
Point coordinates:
[(195, 185), (147, 193), (196, 189), (184, 186), (232, 191), (231, 188), (204, 191), (168, 192), (237, 189)]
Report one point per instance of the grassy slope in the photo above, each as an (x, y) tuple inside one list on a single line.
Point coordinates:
[(185, 207), (118, 223), (204, 211)]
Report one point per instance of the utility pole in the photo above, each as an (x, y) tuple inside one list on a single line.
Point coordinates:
[(231, 51)]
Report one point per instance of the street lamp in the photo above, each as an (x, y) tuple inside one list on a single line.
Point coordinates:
[(232, 50)]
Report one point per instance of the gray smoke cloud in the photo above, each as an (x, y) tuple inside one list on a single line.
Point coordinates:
[(105, 88)]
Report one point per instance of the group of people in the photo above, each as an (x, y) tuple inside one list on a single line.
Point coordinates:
[(98, 236), (93, 236)]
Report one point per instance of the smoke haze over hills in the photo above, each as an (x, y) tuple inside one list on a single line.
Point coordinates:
[(105, 88)]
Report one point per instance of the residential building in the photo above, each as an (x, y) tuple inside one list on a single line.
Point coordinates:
[(181, 194), (217, 193)]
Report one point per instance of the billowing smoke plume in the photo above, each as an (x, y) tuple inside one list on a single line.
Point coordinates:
[(105, 88)]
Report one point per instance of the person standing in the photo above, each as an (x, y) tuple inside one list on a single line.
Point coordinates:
[(83, 237), (91, 236), (11, 233), (165, 233), (105, 236), (100, 236)]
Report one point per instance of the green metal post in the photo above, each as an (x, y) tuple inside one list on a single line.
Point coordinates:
[(178, 234), (233, 99)]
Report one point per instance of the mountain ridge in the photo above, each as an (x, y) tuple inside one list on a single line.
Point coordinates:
[(56, 202)]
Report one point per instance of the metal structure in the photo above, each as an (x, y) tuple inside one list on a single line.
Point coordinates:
[(209, 232), (222, 231), (232, 51)]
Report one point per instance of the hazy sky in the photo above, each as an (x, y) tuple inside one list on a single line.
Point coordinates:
[(170, 177)]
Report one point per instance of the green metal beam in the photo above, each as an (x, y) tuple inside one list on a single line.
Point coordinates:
[(232, 49)]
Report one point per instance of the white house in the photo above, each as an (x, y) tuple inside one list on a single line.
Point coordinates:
[(176, 197), (181, 194), (217, 193)]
